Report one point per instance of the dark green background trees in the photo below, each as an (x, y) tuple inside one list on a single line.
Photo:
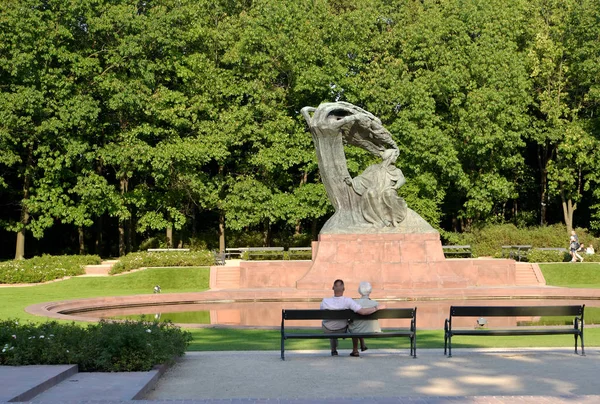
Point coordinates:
[(122, 120)]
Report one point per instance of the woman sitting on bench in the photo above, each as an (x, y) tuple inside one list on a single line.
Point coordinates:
[(356, 326)]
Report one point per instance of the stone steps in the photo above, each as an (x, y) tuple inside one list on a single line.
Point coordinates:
[(228, 278), (63, 383), (22, 383), (528, 274), (101, 269)]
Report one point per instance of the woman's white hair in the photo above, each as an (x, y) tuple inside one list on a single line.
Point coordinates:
[(364, 288)]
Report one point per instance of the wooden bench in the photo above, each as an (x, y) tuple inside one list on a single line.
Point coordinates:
[(514, 311), (305, 252), (462, 250), (516, 252), (234, 252), (167, 249), (264, 252), (558, 249), (411, 332)]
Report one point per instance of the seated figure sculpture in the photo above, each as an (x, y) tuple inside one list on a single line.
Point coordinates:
[(377, 187)]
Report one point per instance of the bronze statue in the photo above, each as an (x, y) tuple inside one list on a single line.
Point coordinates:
[(369, 203)]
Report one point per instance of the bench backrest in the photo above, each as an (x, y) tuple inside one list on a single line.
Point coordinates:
[(346, 314), (515, 311), (167, 249)]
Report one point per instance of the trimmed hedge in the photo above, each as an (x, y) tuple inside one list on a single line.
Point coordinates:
[(276, 255), (163, 259), (547, 256), (488, 241), (45, 268), (103, 347)]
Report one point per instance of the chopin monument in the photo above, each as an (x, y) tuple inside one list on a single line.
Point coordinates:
[(373, 235), (368, 203)]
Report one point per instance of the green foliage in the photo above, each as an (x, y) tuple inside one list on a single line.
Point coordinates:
[(277, 255), (104, 347), (163, 259), (156, 115), (548, 256), (45, 268), (488, 241)]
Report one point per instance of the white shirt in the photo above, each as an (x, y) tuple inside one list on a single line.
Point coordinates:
[(338, 303)]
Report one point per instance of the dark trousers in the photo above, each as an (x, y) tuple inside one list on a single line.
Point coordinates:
[(333, 342)]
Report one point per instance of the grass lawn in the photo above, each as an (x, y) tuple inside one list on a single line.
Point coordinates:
[(572, 275), (15, 299), (222, 339)]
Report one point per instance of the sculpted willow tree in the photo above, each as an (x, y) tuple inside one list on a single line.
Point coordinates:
[(368, 203)]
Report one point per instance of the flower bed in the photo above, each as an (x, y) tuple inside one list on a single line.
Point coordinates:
[(102, 347), (45, 268), (163, 259)]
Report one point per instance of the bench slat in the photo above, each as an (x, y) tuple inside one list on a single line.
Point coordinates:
[(515, 311), (537, 331), (345, 314), (406, 333)]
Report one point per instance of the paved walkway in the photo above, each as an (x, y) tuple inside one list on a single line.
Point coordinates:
[(378, 376)]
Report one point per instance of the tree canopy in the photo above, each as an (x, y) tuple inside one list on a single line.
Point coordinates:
[(121, 120)]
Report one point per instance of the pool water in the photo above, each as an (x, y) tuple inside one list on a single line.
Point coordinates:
[(430, 314)]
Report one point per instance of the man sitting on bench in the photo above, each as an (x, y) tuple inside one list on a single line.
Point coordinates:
[(339, 302)]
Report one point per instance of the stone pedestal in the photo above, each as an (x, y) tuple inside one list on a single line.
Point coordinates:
[(397, 261)]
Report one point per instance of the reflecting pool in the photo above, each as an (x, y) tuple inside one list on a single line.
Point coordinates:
[(430, 313)]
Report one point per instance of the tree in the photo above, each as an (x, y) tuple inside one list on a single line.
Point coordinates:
[(42, 110)]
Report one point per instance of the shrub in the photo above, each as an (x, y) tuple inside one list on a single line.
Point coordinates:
[(488, 241), (547, 256), (163, 259), (45, 268), (102, 347)]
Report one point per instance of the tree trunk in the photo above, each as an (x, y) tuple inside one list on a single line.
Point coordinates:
[(20, 247), (543, 197), (98, 244), (194, 222), (314, 231), (303, 181), (122, 222), (267, 234), (221, 232), (568, 210), (121, 238), (81, 240), (544, 154), (99, 228), (130, 228), (169, 236)]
